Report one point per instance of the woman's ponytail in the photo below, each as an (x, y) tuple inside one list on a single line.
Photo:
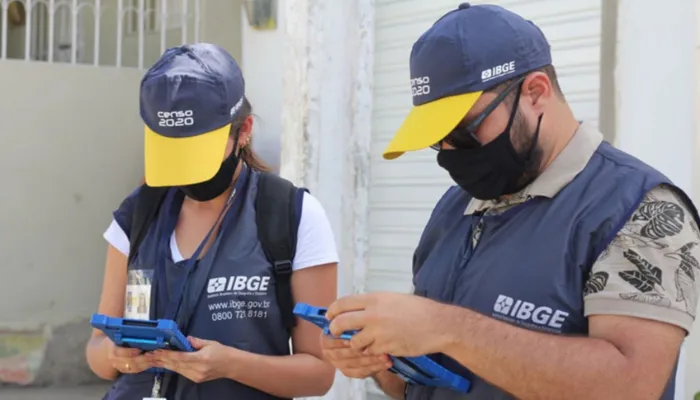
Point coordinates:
[(247, 154)]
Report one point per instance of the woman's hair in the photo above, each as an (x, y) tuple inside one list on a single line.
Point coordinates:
[(247, 154)]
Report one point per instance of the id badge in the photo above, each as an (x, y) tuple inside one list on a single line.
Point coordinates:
[(155, 391), (137, 302)]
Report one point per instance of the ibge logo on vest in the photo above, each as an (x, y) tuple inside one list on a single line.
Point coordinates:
[(238, 285), (247, 301), (529, 315)]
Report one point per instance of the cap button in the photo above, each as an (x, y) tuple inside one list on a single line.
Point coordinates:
[(464, 6)]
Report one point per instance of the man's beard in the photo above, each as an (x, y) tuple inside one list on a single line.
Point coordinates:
[(522, 137)]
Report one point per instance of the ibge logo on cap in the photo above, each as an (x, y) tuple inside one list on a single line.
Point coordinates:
[(498, 71)]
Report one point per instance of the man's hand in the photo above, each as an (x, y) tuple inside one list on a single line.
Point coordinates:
[(351, 362), (210, 360), (390, 323)]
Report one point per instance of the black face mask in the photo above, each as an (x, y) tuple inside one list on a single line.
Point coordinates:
[(495, 169), (214, 187)]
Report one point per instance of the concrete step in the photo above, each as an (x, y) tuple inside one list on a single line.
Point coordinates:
[(93, 392)]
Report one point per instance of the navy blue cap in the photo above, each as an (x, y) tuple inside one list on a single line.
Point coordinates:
[(466, 51), (473, 48), (191, 90), (188, 100)]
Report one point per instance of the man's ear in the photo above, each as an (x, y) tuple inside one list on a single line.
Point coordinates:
[(538, 88)]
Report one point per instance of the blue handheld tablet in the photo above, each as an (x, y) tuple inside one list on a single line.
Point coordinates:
[(146, 335), (414, 370)]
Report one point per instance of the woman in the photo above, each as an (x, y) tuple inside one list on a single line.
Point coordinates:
[(206, 234)]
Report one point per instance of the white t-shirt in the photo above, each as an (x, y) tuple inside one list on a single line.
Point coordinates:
[(315, 240)]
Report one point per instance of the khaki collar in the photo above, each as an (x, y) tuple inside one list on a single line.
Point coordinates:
[(569, 163)]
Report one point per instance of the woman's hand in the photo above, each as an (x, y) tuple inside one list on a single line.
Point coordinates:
[(126, 360), (210, 360)]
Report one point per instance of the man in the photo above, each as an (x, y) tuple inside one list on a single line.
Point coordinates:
[(557, 268)]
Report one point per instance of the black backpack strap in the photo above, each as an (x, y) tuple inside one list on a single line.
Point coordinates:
[(278, 212), (147, 204)]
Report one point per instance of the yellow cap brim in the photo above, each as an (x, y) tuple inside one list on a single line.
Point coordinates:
[(429, 123), (183, 161)]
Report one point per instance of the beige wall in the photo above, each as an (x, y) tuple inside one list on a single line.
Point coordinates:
[(72, 150), (220, 23), (223, 25), (130, 40)]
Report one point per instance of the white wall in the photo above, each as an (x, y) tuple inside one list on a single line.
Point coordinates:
[(655, 100), (71, 152), (326, 124), (656, 107), (263, 68), (693, 348), (267, 58)]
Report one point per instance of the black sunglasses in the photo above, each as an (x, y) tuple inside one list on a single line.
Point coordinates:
[(464, 137)]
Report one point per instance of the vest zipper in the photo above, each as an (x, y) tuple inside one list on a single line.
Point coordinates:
[(472, 242), (473, 239), (451, 284), (477, 234)]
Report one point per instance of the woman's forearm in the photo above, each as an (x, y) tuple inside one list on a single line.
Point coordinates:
[(298, 375), (97, 356)]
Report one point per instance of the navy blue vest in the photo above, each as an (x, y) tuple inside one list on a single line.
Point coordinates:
[(234, 303), (531, 262)]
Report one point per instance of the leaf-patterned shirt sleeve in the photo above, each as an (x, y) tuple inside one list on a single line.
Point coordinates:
[(651, 269)]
